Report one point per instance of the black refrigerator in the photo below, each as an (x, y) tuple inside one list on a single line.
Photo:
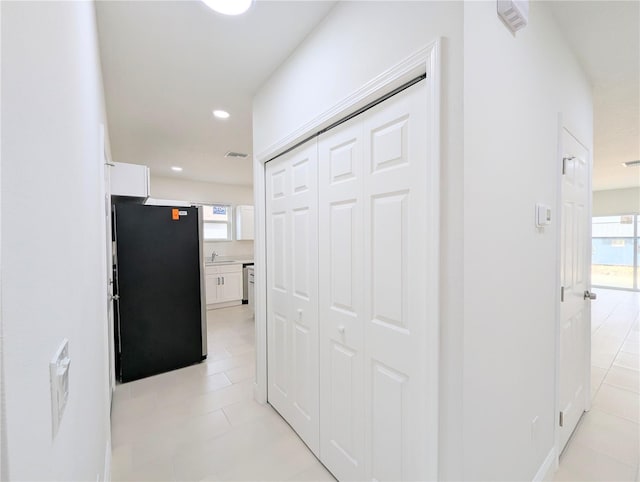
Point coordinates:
[(160, 314)]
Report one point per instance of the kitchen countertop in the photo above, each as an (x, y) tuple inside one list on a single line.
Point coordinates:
[(223, 260)]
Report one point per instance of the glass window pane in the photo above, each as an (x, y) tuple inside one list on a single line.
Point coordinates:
[(612, 262), (216, 231), (613, 226), (638, 258)]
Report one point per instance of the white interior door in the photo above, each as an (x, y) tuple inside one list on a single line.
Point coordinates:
[(348, 276), (373, 312), (341, 184), (575, 310), (292, 289), (396, 220)]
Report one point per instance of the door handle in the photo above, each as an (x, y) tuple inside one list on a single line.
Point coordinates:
[(218, 278), (115, 297), (223, 280), (588, 295)]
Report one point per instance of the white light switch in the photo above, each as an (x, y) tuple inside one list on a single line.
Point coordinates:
[(59, 375), (543, 215)]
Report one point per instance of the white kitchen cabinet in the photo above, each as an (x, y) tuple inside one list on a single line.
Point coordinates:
[(211, 287), (244, 223), (223, 283), (231, 287), (131, 180)]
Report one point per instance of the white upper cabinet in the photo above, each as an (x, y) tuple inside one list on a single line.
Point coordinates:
[(244, 223), (129, 180)]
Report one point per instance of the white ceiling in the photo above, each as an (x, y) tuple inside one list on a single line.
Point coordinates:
[(605, 36), (167, 65)]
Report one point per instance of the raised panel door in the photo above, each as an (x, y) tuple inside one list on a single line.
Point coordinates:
[(341, 274), (278, 285), (575, 311), (292, 281), (395, 312)]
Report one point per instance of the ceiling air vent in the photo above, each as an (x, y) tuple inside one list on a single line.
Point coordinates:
[(239, 155), (631, 163)]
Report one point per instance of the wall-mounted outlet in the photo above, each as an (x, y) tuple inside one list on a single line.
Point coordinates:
[(59, 377)]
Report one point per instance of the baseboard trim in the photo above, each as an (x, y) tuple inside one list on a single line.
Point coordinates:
[(548, 467), (107, 461), (257, 394)]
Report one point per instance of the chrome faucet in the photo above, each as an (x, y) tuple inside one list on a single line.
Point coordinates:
[(213, 256)]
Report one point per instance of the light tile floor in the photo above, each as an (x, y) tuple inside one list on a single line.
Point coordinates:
[(605, 445), (201, 423)]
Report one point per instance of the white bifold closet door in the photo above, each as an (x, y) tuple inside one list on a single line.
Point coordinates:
[(292, 283), (373, 314), (347, 219)]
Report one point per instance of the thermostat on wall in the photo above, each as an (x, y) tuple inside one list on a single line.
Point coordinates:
[(543, 215)]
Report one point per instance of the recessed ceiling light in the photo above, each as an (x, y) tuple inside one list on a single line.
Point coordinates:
[(221, 114), (631, 163), (229, 7), (176, 168)]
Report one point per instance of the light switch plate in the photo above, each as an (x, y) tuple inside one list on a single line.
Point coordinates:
[(59, 378), (543, 215)]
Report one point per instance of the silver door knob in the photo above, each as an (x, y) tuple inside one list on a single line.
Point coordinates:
[(341, 329), (588, 295)]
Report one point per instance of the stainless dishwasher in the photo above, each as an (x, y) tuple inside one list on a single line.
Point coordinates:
[(245, 282), (251, 287)]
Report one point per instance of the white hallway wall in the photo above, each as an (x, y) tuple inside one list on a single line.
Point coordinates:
[(207, 192), (52, 186), (514, 89), (356, 42), (616, 201)]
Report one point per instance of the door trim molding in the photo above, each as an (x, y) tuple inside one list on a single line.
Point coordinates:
[(421, 62), (425, 61)]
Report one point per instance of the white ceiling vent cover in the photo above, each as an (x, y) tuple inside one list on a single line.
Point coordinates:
[(514, 13), (238, 155)]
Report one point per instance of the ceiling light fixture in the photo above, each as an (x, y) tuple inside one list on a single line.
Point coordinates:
[(176, 168), (229, 7), (221, 114), (631, 163)]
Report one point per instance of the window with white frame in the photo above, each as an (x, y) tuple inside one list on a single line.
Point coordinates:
[(217, 221), (615, 252)]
